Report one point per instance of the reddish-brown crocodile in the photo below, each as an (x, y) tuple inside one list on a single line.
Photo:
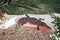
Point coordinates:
[(40, 25)]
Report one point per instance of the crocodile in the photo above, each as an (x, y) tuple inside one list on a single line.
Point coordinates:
[(33, 21)]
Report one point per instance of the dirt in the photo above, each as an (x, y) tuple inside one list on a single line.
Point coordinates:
[(20, 33)]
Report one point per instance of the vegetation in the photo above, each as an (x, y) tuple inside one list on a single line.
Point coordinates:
[(56, 23), (30, 6)]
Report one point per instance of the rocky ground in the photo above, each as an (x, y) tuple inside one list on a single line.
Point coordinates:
[(20, 33)]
